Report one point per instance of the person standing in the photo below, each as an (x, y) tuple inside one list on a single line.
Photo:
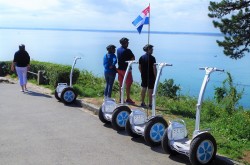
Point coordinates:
[(21, 63), (125, 54), (148, 73), (109, 62)]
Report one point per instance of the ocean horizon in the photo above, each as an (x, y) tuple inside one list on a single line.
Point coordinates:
[(114, 31), (187, 51)]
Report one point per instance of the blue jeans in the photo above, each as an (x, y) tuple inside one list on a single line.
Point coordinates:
[(110, 78)]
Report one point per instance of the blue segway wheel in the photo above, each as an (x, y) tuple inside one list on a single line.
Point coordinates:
[(119, 117), (68, 95), (203, 149), (154, 131)]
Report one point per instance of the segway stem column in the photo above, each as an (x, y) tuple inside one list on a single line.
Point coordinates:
[(160, 66), (72, 69), (208, 71), (125, 78)]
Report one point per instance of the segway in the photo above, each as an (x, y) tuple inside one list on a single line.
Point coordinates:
[(151, 127), (202, 148), (116, 114), (65, 92)]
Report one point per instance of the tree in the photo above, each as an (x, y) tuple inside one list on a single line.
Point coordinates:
[(232, 17), (169, 89), (228, 95)]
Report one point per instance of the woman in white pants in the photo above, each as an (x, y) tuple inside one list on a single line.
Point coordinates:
[(21, 63), (22, 76)]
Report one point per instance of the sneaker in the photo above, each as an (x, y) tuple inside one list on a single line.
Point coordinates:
[(143, 105), (129, 101)]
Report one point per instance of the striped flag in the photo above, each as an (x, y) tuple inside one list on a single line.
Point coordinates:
[(142, 19)]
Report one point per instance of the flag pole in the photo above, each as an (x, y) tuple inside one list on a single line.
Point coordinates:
[(149, 23), (148, 44)]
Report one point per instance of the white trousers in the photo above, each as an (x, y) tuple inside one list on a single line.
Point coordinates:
[(22, 75)]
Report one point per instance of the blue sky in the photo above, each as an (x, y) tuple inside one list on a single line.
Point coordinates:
[(166, 15)]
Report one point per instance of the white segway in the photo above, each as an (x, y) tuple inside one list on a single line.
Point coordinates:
[(65, 92), (151, 127), (117, 114), (202, 148)]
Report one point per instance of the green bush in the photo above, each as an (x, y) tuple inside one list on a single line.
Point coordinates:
[(169, 89), (91, 85), (227, 95), (54, 73), (210, 111), (184, 106), (5, 68)]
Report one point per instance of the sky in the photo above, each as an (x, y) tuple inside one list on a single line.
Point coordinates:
[(166, 15)]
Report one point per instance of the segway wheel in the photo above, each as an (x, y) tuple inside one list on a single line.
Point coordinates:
[(129, 130), (203, 149), (119, 117), (154, 131), (165, 144), (101, 116), (56, 96), (68, 95)]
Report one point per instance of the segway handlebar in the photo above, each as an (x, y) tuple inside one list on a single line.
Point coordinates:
[(77, 57), (163, 64), (136, 62), (211, 68)]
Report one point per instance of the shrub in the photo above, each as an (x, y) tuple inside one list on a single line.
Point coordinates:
[(91, 85), (227, 95), (169, 89), (184, 106), (54, 73), (5, 68)]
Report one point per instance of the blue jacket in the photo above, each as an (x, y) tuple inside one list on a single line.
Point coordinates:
[(108, 61)]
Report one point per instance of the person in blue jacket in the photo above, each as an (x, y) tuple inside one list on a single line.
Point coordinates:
[(109, 62)]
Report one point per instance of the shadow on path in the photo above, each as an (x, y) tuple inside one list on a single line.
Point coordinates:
[(33, 93), (77, 104), (219, 160)]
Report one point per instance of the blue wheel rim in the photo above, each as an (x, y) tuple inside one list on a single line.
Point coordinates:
[(69, 96), (157, 131), (122, 118), (205, 151)]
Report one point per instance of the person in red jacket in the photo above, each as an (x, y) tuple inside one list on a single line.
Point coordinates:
[(125, 54)]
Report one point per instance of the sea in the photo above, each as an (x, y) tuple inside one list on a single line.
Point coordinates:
[(186, 51)]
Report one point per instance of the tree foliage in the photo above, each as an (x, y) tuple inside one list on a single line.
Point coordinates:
[(232, 17), (169, 89), (228, 94)]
